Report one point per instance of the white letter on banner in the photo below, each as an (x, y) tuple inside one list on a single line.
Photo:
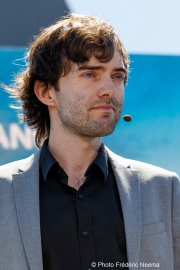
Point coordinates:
[(3, 138), (16, 135)]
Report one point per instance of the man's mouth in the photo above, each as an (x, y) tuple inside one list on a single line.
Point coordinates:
[(104, 107)]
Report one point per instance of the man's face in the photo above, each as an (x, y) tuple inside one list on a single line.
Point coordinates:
[(90, 97)]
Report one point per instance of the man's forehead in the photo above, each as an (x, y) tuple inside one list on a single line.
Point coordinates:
[(115, 62)]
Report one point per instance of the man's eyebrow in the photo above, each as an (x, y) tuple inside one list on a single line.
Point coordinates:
[(121, 69), (86, 67)]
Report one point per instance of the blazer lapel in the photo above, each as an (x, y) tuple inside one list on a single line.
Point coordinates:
[(26, 193), (130, 196)]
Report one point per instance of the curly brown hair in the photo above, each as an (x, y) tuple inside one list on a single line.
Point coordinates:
[(74, 38)]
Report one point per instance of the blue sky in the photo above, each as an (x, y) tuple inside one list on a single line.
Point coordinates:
[(145, 26)]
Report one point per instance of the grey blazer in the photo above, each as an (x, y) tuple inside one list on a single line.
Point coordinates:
[(150, 199)]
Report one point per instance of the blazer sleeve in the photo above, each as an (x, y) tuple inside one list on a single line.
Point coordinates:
[(176, 220)]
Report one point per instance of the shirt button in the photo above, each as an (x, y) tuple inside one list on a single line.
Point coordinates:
[(81, 197), (85, 234)]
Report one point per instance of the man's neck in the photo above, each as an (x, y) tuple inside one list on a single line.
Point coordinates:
[(74, 154)]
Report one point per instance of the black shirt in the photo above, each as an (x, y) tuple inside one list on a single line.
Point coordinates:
[(84, 226)]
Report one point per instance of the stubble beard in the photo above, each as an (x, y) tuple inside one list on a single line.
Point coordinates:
[(75, 121)]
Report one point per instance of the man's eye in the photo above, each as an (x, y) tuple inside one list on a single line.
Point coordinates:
[(88, 75), (119, 77)]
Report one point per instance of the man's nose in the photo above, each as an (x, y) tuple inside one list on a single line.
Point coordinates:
[(107, 88)]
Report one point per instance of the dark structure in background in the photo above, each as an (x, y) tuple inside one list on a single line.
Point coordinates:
[(21, 19)]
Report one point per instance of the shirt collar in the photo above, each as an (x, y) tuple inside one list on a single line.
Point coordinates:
[(47, 161), (101, 161)]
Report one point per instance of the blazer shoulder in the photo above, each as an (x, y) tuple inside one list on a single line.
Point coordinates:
[(7, 170), (145, 170), (148, 170)]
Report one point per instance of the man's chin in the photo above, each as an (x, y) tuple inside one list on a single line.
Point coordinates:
[(100, 128), (101, 132), (108, 133), (103, 128)]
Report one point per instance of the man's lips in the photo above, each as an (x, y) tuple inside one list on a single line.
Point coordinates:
[(104, 107)]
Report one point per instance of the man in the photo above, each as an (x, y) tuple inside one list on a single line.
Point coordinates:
[(75, 204)]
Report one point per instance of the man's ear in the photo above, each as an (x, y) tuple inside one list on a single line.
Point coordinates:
[(44, 93)]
